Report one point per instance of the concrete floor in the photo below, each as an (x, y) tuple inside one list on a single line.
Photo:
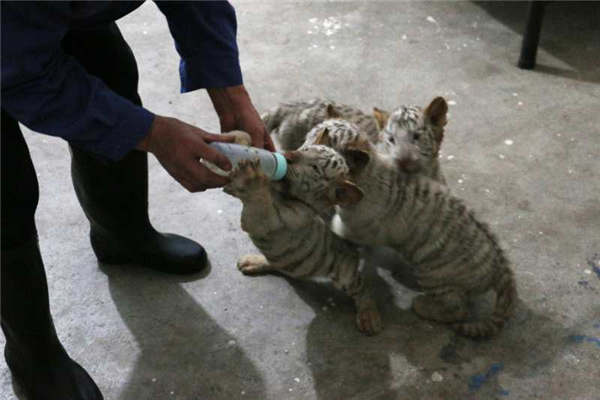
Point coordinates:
[(144, 335)]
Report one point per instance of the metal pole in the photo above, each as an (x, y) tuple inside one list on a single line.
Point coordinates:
[(531, 37)]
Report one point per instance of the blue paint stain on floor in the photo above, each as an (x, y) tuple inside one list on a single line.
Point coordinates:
[(477, 380), (593, 340), (583, 338), (577, 338), (503, 392)]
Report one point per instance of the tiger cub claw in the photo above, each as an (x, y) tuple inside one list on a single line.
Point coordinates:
[(245, 178), (369, 321)]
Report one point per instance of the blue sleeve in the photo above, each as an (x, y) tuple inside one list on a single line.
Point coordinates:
[(205, 38), (50, 92)]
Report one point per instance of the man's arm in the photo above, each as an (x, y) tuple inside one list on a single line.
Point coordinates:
[(50, 92), (205, 37)]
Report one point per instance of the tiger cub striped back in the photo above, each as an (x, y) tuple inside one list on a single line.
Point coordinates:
[(336, 133), (289, 122)]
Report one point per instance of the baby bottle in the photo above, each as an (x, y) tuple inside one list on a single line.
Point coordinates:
[(274, 165)]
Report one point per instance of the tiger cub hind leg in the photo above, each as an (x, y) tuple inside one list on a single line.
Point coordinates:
[(447, 306), (254, 264)]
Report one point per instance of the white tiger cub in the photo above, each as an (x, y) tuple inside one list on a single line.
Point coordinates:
[(454, 255), (411, 128), (292, 238)]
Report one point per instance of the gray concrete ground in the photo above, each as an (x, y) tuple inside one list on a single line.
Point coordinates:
[(522, 148)]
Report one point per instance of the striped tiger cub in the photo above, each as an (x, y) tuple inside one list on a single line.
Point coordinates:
[(405, 131), (453, 254), (292, 238)]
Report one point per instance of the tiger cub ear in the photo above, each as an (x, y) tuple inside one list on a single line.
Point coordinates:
[(435, 114), (381, 117), (323, 138), (347, 193), (331, 112), (356, 159)]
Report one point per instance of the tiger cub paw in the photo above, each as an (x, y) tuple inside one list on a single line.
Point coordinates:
[(246, 177), (368, 319), (239, 137), (253, 264)]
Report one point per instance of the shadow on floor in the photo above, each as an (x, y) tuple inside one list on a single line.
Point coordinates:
[(184, 353), (570, 32), (401, 361)]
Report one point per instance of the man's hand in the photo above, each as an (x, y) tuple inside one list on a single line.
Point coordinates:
[(179, 147), (235, 110)]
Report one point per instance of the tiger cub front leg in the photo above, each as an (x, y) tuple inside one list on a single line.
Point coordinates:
[(254, 264), (346, 276), (252, 187)]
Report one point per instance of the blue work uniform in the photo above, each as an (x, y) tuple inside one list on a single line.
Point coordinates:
[(50, 92)]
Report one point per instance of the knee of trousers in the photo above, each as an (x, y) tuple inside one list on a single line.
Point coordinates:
[(104, 53), (20, 196), (20, 192)]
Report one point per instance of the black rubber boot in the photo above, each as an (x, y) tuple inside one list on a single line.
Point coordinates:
[(114, 196), (38, 362)]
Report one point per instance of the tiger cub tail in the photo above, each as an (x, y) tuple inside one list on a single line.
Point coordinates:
[(506, 298)]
